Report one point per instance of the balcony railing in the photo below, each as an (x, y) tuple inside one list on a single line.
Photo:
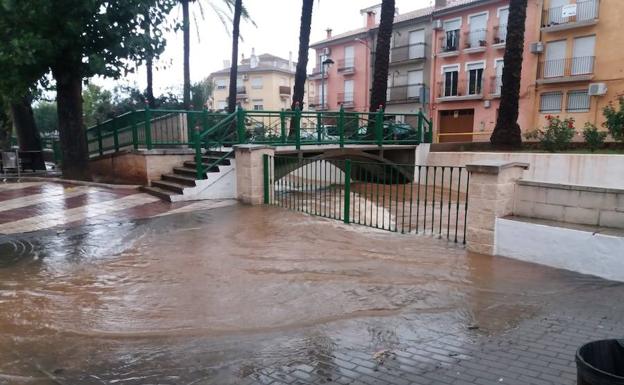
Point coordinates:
[(564, 68), (496, 85), (241, 92), (316, 73), (476, 39), (450, 41), (460, 90), (405, 93), (346, 65), (316, 103), (407, 52), (500, 34), (345, 99), (284, 90), (586, 10)]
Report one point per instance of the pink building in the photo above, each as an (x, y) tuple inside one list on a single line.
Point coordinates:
[(469, 45)]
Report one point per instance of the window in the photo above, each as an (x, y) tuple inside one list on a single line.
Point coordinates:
[(221, 84), (583, 55), (475, 77), (414, 83), (478, 26), (322, 95), (257, 104), (551, 101), (503, 16), (416, 41), (256, 83), (578, 101), (221, 105), (348, 91), (498, 78), (451, 76), (349, 57), (240, 82), (554, 66), (451, 38)]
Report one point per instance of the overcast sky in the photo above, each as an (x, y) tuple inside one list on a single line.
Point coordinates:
[(276, 32)]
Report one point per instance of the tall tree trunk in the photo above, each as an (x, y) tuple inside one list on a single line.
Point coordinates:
[(186, 22), (72, 134), (382, 56), (149, 66), (238, 7), (507, 132), (25, 127), (302, 59), (5, 128)]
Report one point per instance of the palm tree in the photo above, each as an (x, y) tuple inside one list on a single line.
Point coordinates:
[(302, 59), (149, 64), (507, 132), (382, 56), (238, 6)]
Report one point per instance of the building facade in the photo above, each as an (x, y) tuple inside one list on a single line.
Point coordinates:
[(580, 69), (469, 39), (265, 82)]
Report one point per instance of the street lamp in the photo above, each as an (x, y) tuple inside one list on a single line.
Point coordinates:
[(326, 62)]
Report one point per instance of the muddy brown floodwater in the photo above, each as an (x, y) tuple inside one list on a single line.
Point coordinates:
[(207, 297)]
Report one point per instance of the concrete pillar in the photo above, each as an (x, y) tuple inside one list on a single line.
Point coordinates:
[(250, 172), (490, 196)]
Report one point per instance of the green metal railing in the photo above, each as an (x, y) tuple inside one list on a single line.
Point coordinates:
[(203, 130), (394, 197)]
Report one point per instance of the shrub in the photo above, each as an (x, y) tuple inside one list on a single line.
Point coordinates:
[(615, 119), (556, 136), (593, 137)]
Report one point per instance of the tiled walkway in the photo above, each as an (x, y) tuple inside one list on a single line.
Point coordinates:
[(32, 206)]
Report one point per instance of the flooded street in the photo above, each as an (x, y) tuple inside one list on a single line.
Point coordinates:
[(241, 294)]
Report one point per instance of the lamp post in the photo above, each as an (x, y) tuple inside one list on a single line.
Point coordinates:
[(326, 62)]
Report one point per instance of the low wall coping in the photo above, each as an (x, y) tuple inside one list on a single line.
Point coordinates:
[(567, 186), (252, 147), (494, 166), (145, 152)]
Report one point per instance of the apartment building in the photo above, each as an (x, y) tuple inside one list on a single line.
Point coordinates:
[(264, 82), (580, 68), (469, 39)]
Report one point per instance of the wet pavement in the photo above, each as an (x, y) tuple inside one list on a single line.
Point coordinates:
[(241, 295)]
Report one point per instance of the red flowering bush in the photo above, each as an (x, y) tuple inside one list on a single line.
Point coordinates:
[(557, 134)]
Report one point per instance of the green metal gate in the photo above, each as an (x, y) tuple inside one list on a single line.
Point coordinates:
[(394, 197)]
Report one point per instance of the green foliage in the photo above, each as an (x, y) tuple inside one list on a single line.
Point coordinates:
[(200, 93), (615, 119), (594, 138), (556, 136), (97, 105), (46, 117)]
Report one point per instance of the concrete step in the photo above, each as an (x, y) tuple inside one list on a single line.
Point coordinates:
[(213, 159), (218, 154), (185, 171), (180, 179), (192, 164), (171, 186), (158, 192)]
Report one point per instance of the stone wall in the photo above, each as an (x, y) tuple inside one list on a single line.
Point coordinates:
[(567, 203)]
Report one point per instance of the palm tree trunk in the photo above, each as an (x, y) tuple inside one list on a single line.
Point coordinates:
[(302, 59), (382, 56), (507, 132), (149, 66), (238, 6), (187, 53)]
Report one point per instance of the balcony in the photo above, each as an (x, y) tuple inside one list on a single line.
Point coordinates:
[(346, 66), (345, 99), (459, 91), (449, 44), (496, 85), (284, 91), (566, 70), (315, 102), (316, 74), (407, 53), (241, 92), (407, 93), (475, 41), (581, 14), (500, 36)]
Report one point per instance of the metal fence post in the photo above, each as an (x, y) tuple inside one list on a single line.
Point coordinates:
[(148, 128), (347, 192), (319, 127), (420, 134), (297, 127), (240, 124), (379, 126), (282, 116), (199, 162), (341, 124), (115, 134), (265, 161), (135, 133)]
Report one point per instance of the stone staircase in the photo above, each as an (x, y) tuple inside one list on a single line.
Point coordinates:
[(182, 183)]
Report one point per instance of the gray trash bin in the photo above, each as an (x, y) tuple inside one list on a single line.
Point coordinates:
[(601, 363)]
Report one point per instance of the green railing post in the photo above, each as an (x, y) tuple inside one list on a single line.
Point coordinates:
[(341, 124), (99, 138), (421, 137), (297, 127), (347, 191), (240, 124), (199, 162), (429, 132), (282, 116), (115, 134), (319, 127), (148, 128), (379, 116), (265, 162), (135, 132)]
